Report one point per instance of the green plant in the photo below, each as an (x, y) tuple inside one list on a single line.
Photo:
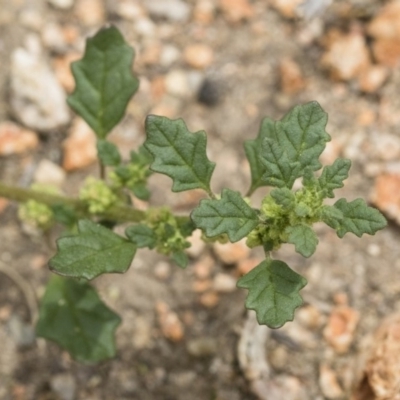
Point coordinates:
[(72, 313)]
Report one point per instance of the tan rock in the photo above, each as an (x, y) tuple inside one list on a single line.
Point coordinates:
[(90, 12), (309, 316), (386, 195), (231, 253), (292, 80), (209, 299), (387, 52), (198, 56), (157, 88), (328, 382), (62, 69), (201, 286), (49, 173), (171, 326), (3, 204), (203, 267), (287, 8), (372, 79), (15, 140), (80, 146), (236, 10), (197, 245), (151, 54), (386, 24), (204, 12), (347, 56), (246, 265), (340, 329), (224, 283)]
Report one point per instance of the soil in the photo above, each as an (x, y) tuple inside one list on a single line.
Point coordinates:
[(243, 83)]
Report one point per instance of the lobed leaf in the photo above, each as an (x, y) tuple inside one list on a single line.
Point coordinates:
[(304, 239), (180, 258), (357, 218), (72, 315), (141, 235), (332, 176), (95, 250), (230, 215), (104, 81), (178, 153), (108, 153), (273, 292), (284, 197)]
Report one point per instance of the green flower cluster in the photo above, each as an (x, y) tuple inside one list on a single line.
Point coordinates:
[(97, 195)]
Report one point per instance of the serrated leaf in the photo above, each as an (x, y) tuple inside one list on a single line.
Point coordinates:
[(95, 250), (142, 235), (180, 258), (332, 176), (108, 153), (253, 149), (230, 215), (178, 153), (273, 292), (331, 216), (304, 239), (358, 218), (284, 197), (72, 315), (140, 191), (104, 81)]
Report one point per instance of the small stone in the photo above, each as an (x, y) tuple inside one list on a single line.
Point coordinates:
[(203, 267), (162, 270), (198, 56), (21, 332), (366, 117), (372, 79), (332, 151), (386, 147), (231, 253), (3, 204), (183, 379), (292, 80), (236, 10), (150, 54), (145, 27), (53, 37), (374, 250), (174, 10), (387, 52), (49, 173), (177, 83), (37, 99), (142, 333), (169, 55), (197, 245), (202, 347), (328, 382), (224, 283), (80, 147), (309, 316), (209, 92), (128, 10), (171, 326), (5, 312), (204, 12), (90, 12), (31, 18), (62, 4), (347, 56), (386, 23), (209, 299), (201, 286), (64, 385), (16, 140), (340, 329), (157, 88), (62, 68), (246, 265), (386, 195), (287, 8)]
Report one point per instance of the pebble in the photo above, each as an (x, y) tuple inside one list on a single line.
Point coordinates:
[(150, 55), (328, 382), (3, 204), (80, 147), (202, 347), (142, 333), (236, 10), (287, 8), (37, 99), (53, 37), (198, 56), (62, 69), (203, 267), (340, 329), (90, 12), (372, 79), (21, 332), (231, 253), (309, 316), (386, 146), (62, 4), (64, 385), (169, 55), (201, 286), (177, 83), (173, 10), (224, 283), (387, 52), (347, 55), (204, 12), (170, 324), (15, 139), (246, 265), (128, 10), (292, 80), (49, 173), (183, 379), (386, 23), (145, 27), (162, 270), (31, 18), (209, 299), (197, 245)]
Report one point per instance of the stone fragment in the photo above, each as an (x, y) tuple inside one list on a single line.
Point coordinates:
[(37, 99), (64, 385), (224, 283), (62, 69), (387, 52), (201, 286), (53, 37), (380, 379), (287, 8), (209, 299), (386, 23), (328, 382), (62, 4), (80, 147), (197, 245), (246, 265), (169, 54), (203, 267), (202, 347), (198, 56), (129, 10), (372, 79), (174, 10), (204, 12), (162, 270), (21, 332), (15, 139), (31, 18), (309, 316), (49, 173), (292, 80), (236, 10), (386, 195), (231, 253), (151, 54), (177, 83), (170, 324), (90, 12), (347, 56), (3, 204), (340, 329)]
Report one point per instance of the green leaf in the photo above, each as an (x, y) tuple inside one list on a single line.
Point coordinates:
[(331, 216), (332, 176), (230, 215), (273, 292), (104, 81), (95, 250), (358, 218), (179, 154), (64, 214), (284, 197), (140, 191), (72, 315), (253, 154), (142, 235), (180, 258), (108, 153), (304, 239)]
